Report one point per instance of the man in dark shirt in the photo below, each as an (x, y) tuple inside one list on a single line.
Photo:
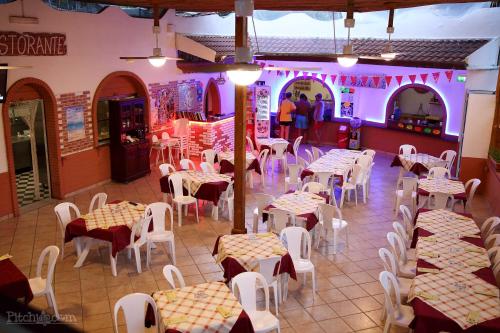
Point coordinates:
[(303, 107)]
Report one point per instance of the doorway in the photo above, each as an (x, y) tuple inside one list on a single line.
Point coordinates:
[(29, 148), (211, 106)]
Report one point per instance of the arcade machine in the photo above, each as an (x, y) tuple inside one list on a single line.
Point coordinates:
[(261, 107)]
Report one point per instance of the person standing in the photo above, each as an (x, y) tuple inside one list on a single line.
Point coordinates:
[(285, 115), (302, 116), (319, 110)]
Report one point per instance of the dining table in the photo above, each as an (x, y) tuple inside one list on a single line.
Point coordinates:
[(266, 143), (111, 223), (203, 308), (14, 284), (241, 253), (454, 289), (337, 161), (456, 188), (226, 162), (417, 163)]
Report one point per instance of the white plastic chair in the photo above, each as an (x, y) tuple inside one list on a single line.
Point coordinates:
[(449, 157), (313, 187), (470, 188), (279, 220), (369, 152), (294, 236), (489, 226), (170, 143), (63, 213), (390, 265), (296, 145), (397, 314), (98, 201), (406, 269), (327, 180), (310, 156), (181, 131), (139, 229), (166, 169), (187, 164), (492, 240), (262, 158), (401, 231), (317, 153), (169, 271), (43, 286), (263, 200), (494, 255), (365, 161), (293, 177), (438, 200), (158, 211), (207, 167), (157, 146), (250, 144), (331, 221), (208, 155), (134, 312), (278, 155), (351, 184), (266, 268), (179, 198), (302, 162), (228, 197), (407, 150), (244, 286), (407, 220), (438, 173), (408, 192)]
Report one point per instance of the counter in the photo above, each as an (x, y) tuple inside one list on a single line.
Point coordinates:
[(212, 134)]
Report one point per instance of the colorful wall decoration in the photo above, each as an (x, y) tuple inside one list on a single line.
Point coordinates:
[(75, 123), (165, 105), (347, 102)]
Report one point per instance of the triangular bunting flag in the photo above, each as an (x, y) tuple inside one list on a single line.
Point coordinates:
[(323, 77), (305, 74), (314, 75), (262, 64), (449, 75), (435, 76), (376, 80), (269, 71), (412, 77), (424, 77), (278, 73), (295, 73), (354, 79), (399, 78), (342, 79), (334, 78), (388, 79), (364, 79), (287, 73)]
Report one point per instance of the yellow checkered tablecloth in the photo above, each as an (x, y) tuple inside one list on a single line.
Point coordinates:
[(229, 156), (426, 160), (299, 203), (442, 185), (112, 215), (347, 153), (270, 141), (248, 249), (337, 164), (446, 223), (197, 309), (198, 178), (458, 295)]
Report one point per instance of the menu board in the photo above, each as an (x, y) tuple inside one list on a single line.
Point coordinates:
[(262, 102)]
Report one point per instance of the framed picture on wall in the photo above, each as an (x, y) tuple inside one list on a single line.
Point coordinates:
[(75, 122)]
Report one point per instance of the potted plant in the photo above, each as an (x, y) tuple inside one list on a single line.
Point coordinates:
[(495, 158)]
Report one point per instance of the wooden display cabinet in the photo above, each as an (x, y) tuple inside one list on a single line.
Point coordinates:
[(129, 147)]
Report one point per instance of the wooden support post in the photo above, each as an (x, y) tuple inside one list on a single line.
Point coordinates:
[(241, 40)]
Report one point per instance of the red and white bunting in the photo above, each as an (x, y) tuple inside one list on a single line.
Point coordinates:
[(305, 74), (333, 77), (399, 78), (388, 79), (269, 71), (278, 73), (376, 80), (449, 75), (412, 78), (342, 79), (323, 77), (364, 80), (435, 75), (295, 73), (314, 75), (287, 73), (354, 79), (424, 78)]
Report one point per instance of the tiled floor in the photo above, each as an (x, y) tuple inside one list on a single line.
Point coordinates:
[(25, 187), (349, 297)]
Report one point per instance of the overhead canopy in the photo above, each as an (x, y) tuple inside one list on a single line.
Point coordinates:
[(299, 5)]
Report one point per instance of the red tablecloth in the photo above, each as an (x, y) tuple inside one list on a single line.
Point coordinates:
[(416, 168), (428, 319), (289, 148), (228, 167), (232, 267), (306, 173), (13, 283), (207, 191), (243, 323)]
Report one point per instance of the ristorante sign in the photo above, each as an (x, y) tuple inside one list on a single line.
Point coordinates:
[(32, 44)]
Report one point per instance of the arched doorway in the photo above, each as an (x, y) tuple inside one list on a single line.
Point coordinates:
[(31, 100), (211, 104), (115, 86)]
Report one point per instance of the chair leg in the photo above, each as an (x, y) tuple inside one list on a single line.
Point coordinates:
[(62, 247), (387, 326), (314, 282), (275, 289), (342, 198), (230, 206), (196, 210), (179, 214), (356, 195), (148, 253), (54, 304), (172, 251), (137, 254)]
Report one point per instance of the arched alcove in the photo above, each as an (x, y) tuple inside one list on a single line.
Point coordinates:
[(212, 99)]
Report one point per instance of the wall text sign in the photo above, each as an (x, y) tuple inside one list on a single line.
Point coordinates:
[(32, 44)]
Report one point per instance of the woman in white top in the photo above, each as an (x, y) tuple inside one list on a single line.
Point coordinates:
[(319, 109)]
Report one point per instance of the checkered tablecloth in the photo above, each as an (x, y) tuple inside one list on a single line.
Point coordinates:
[(428, 161), (112, 215), (198, 178), (229, 156), (458, 295), (441, 185), (446, 223), (299, 203), (248, 249), (335, 163), (197, 309), (270, 141), (345, 153)]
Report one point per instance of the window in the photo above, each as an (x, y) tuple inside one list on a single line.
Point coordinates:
[(103, 121)]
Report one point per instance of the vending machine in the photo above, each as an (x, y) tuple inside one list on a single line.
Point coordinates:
[(262, 111)]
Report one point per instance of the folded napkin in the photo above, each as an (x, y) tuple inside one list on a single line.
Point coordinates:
[(427, 296), (428, 270), (5, 256), (477, 263), (174, 320), (474, 249), (224, 312), (487, 292), (428, 239), (470, 236), (265, 235), (171, 296), (428, 254), (278, 250), (473, 317)]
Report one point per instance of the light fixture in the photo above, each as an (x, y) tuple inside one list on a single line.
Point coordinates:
[(388, 53), (243, 77), (347, 59), (157, 60)]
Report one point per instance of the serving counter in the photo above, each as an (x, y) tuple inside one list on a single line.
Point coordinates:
[(215, 133)]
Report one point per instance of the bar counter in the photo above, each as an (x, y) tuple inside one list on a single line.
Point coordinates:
[(212, 134)]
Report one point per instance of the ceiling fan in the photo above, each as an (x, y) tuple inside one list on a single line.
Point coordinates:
[(157, 59), (5, 67)]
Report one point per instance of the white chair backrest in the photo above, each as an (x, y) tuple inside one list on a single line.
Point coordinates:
[(492, 240), (409, 185), (267, 266), (438, 173), (279, 149), (294, 171), (317, 153), (324, 178), (166, 169), (365, 161), (63, 213), (134, 311), (244, 287), (154, 139), (302, 162), (250, 143), (263, 200), (296, 145), (438, 200), (356, 174), (392, 294), (470, 188), (490, 225), (280, 219), (407, 150), (401, 231), (175, 181), (207, 167), (181, 127), (53, 252), (494, 255), (398, 247), (229, 192), (208, 155), (293, 237), (169, 271), (327, 213), (165, 136), (313, 187), (98, 201), (309, 155), (388, 260), (449, 157), (263, 156), (369, 152), (158, 211), (187, 164), (141, 229)]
